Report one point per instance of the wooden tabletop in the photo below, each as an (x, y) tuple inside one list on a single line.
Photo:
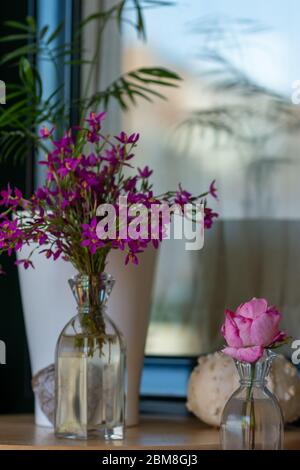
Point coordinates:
[(19, 432)]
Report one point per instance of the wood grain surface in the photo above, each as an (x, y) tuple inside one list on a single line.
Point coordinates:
[(19, 432)]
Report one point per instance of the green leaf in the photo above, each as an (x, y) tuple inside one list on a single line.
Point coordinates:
[(128, 90), (17, 25), (152, 81), (21, 151), (26, 71), (95, 16), (140, 25), (147, 90), (31, 23), (8, 114), (143, 95), (15, 94), (55, 33), (31, 80), (134, 84), (38, 85), (11, 143), (117, 93), (21, 51), (158, 3), (31, 109), (119, 14), (14, 37), (43, 31), (78, 62), (159, 72)]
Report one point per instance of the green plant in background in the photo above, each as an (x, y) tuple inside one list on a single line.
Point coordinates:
[(30, 108)]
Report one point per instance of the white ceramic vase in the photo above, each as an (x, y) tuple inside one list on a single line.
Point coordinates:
[(48, 305)]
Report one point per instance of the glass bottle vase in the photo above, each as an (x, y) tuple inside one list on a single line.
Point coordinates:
[(90, 366), (252, 418)]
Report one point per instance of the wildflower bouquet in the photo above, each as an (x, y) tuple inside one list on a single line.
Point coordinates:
[(84, 170)]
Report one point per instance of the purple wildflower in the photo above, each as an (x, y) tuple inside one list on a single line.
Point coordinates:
[(95, 120), (209, 216), (92, 136), (125, 139), (10, 200), (45, 133), (130, 184), (90, 238), (182, 197), (6, 195), (68, 165), (25, 262), (213, 190), (145, 173)]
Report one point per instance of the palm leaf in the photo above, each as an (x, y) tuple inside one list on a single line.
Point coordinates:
[(31, 109), (132, 85), (18, 25), (55, 33)]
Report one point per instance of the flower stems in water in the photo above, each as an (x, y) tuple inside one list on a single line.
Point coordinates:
[(250, 404)]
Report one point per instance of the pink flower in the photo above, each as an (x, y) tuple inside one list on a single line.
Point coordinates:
[(92, 136), (90, 238), (8, 199), (111, 156), (45, 133), (130, 183), (182, 197), (209, 216), (132, 258), (6, 195), (213, 190), (62, 212), (63, 145), (127, 139), (145, 173), (253, 327), (95, 120), (69, 165), (252, 354), (25, 262)]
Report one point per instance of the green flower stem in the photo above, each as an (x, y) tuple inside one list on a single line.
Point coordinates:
[(250, 403)]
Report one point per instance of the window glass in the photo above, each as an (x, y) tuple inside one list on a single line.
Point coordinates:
[(232, 119)]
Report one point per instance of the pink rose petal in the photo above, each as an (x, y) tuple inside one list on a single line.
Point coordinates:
[(281, 336), (252, 309), (265, 328), (230, 331), (244, 327), (251, 354), (252, 328)]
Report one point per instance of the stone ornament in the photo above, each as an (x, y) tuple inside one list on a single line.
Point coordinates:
[(215, 378), (43, 385)]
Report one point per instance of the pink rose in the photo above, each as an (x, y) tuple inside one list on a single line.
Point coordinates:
[(252, 328)]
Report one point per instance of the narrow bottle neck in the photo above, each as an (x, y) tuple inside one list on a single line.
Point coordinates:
[(91, 291), (253, 383), (255, 374), (87, 311)]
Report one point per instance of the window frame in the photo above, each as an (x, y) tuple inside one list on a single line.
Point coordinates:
[(164, 384)]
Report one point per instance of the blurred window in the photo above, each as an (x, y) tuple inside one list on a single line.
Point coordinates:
[(232, 119)]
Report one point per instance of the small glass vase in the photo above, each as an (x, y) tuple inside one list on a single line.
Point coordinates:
[(252, 418), (90, 366)]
